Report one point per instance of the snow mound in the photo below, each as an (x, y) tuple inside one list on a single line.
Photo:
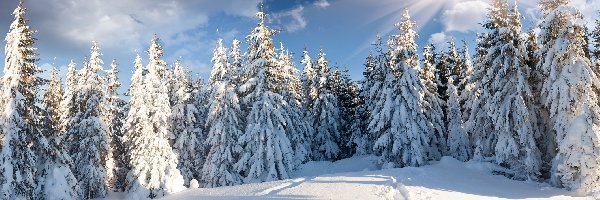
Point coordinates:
[(356, 178)]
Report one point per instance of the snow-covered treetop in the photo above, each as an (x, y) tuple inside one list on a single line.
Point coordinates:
[(20, 55), (497, 15), (549, 5), (113, 78), (95, 62), (220, 64), (428, 72), (156, 52), (235, 53), (307, 62), (403, 46)]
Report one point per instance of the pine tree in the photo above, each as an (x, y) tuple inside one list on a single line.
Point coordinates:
[(132, 125), (267, 153), (189, 140), (326, 115), (113, 118), (236, 59), (454, 64), (153, 163), (67, 105), (299, 127), (347, 93), (510, 93), (433, 107), (309, 80), (55, 178), (223, 124), (371, 89), (458, 143), (479, 124), (18, 159), (595, 35), (52, 99), (88, 136), (360, 140), (464, 85), (573, 112), (406, 144)]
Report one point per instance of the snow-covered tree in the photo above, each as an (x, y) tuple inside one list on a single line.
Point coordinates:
[(407, 142), (186, 128), (52, 99), (132, 124), (370, 94), (25, 153), (267, 153), (432, 107), (360, 140), (458, 142), (347, 93), (223, 124), (464, 85), (309, 80), (507, 105), (595, 35), (114, 116), (87, 136), (236, 59), (573, 110), (479, 123), (55, 178), (67, 105), (300, 127), (153, 163), (326, 115)]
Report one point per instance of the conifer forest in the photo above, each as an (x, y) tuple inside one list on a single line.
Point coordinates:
[(524, 99)]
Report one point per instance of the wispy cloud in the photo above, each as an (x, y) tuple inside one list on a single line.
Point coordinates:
[(321, 4), (291, 20)]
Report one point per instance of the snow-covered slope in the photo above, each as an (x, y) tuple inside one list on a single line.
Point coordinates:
[(356, 178)]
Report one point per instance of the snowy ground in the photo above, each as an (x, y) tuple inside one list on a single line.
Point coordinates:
[(357, 178)]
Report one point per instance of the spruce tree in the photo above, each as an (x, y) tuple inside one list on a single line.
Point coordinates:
[(68, 100), (326, 114), (515, 145), (360, 140), (573, 111), (88, 135), (223, 124), (267, 153), (347, 93), (309, 80), (458, 142), (299, 127), (464, 85), (433, 107), (189, 142), (153, 163), (52, 99), (114, 118), (371, 89), (19, 87), (407, 142), (55, 178)]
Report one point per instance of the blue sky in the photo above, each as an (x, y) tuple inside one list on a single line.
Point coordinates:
[(345, 29)]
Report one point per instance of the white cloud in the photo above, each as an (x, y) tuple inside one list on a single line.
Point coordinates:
[(322, 4), (291, 20), (130, 24), (439, 39), (465, 16)]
